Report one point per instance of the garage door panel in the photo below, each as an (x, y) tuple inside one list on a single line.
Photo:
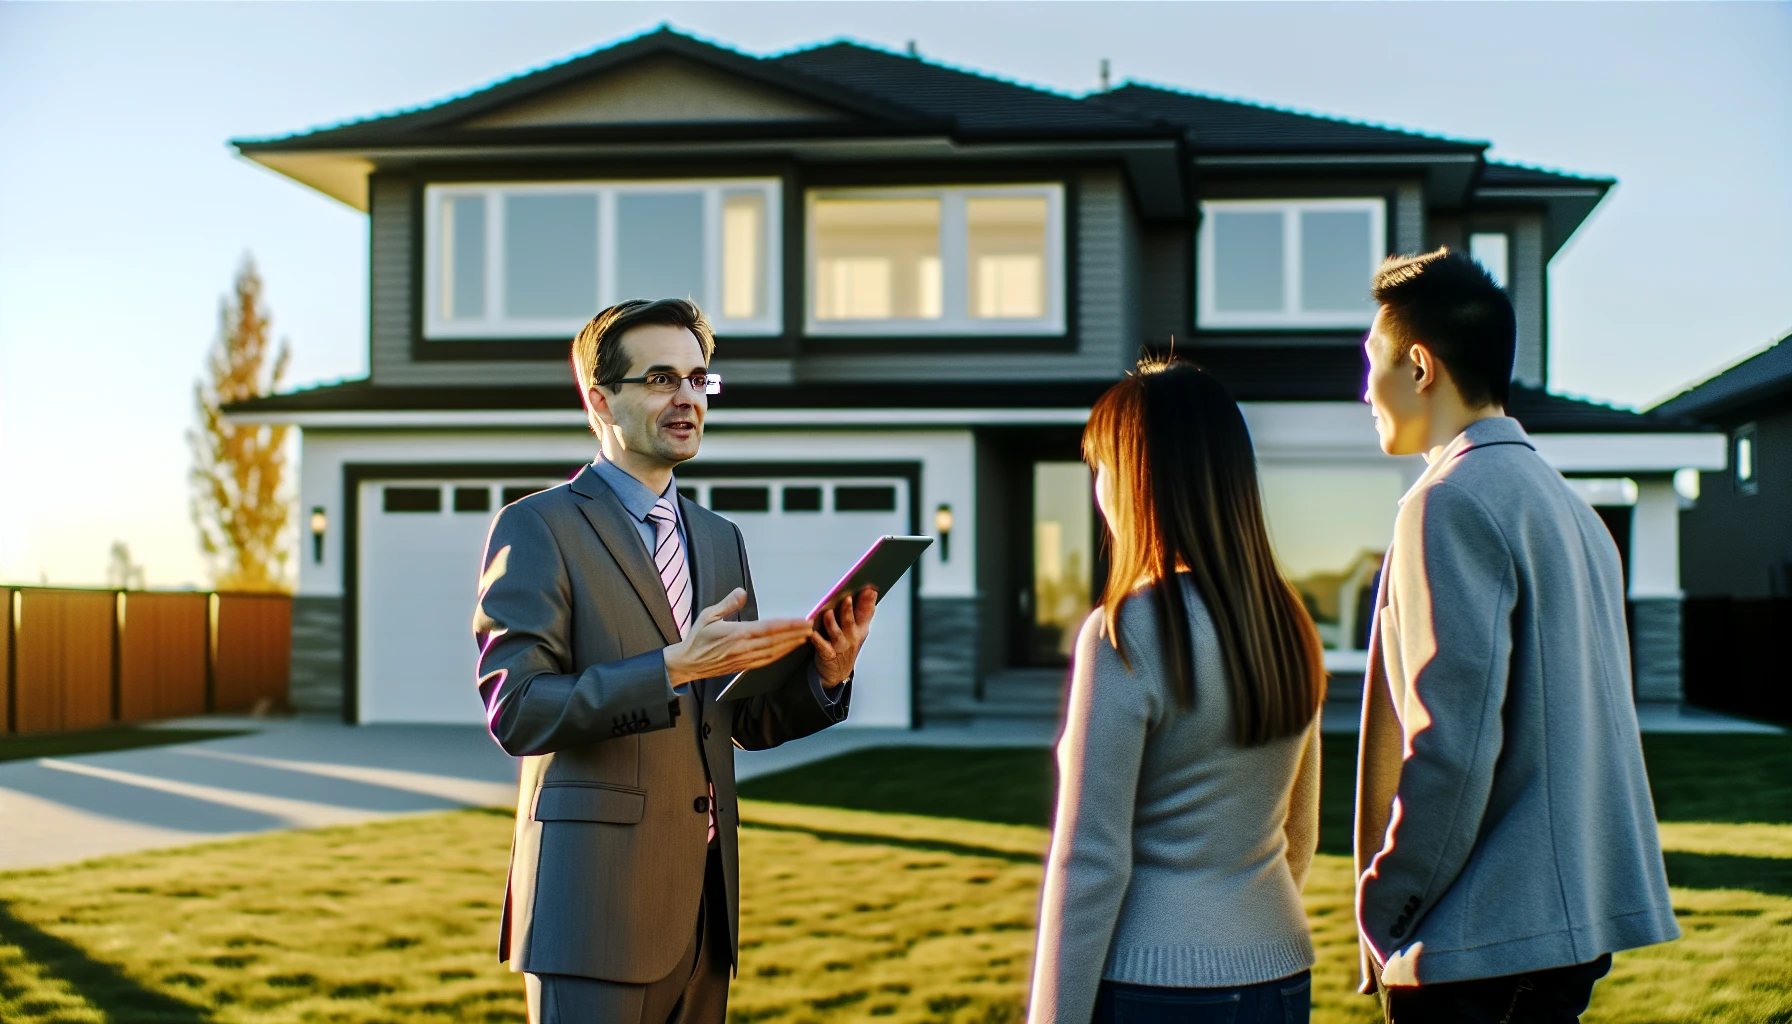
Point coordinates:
[(418, 568)]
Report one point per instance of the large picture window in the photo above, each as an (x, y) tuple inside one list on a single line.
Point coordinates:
[(1289, 263), (539, 260), (969, 260), (1330, 526)]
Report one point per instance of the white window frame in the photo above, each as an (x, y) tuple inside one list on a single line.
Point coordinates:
[(955, 319), (495, 325), (1291, 315)]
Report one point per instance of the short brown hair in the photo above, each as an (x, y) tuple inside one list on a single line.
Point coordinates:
[(1450, 303), (597, 355)]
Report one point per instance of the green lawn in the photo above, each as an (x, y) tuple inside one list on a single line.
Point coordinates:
[(95, 741), (895, 884)]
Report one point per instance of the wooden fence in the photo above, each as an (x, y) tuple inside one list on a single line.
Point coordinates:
[(76, 659)]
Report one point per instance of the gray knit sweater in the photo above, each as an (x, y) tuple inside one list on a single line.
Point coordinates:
[(1178, 856)]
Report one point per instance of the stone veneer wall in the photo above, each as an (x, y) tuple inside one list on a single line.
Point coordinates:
[(317, 654), (1655, 648), (948, 642)]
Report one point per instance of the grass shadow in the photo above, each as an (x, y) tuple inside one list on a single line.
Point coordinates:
[(103, 986), (99, 741), (1771, 876)]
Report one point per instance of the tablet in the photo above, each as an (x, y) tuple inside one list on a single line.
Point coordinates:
[(882, 567)]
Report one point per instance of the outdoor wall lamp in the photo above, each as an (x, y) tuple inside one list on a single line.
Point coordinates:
[(319, 523), (942, 524)]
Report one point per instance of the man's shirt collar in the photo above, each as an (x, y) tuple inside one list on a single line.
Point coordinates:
[(635, 496)]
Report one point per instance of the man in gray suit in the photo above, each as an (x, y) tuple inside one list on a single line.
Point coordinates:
[(1505, 841), (611, 612)]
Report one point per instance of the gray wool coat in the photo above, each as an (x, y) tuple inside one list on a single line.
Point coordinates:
[(1504, 822)]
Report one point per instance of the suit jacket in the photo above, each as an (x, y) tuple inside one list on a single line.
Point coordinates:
[(609, 852), (1504, 822)]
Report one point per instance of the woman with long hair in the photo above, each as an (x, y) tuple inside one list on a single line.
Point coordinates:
[(1188, 793)]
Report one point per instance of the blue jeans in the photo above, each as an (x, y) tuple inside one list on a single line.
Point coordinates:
[(1283, 1001)]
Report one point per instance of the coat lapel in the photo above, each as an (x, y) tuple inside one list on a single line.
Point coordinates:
[(616, 528)]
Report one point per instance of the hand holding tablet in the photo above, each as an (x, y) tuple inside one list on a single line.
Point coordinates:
[(880, 569)]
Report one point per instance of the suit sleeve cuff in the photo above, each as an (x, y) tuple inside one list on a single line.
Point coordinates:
[(834, 706)]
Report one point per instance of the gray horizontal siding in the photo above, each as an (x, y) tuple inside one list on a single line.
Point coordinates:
[(1166, 282)]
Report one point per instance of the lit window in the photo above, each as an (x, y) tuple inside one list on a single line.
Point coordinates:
[(1490, 249), (1289, 263), (1007, 248), (539, 260), (971, 260), (877, 259)]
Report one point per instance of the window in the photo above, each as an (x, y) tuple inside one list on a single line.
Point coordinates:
[(1330, 526), (1490, 249), (1063, 560), (412, 499), (1283, 263), (1745, 458), (537, 261), (970, 260)]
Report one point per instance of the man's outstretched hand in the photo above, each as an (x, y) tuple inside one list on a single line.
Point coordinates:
[(843, 630), (716, 647)]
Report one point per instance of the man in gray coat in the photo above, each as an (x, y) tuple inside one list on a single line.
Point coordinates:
[(1506, 843), (611, 612)]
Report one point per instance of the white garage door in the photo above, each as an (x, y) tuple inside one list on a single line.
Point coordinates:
[(418, 572), (802, 535), (418, 567)]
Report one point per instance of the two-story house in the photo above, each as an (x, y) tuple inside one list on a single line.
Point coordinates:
[(920, 277)]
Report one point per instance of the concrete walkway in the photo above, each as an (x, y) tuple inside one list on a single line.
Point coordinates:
[(311, 771)]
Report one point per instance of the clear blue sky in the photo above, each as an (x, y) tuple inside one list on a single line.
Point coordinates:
[(123, 213)]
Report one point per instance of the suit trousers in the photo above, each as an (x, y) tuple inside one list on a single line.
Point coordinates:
[(695, 992), (1558, 995)]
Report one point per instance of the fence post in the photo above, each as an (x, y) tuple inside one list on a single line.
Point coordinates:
[(117, 653), (211, 653), (13, 605)]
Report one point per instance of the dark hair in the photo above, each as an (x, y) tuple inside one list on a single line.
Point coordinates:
[(1185, 499), (1449, 302), (597, 355)]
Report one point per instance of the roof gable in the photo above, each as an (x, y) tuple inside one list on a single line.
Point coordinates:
[(659, 88), (1756, 380)]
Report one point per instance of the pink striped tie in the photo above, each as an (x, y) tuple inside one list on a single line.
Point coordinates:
[(669, 559), (675, 576)]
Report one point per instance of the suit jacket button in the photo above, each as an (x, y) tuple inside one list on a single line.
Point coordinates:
[(706, 730), (701, 805)]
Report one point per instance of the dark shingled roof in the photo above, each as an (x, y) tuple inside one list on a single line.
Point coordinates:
[(976, 103), (1503, 175), (1213, 124), (1757, 379)]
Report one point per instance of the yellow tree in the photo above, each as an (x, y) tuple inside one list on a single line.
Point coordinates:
[(240, 500)]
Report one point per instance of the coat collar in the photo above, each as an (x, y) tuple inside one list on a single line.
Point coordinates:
[(616, 527), (1493, 430)]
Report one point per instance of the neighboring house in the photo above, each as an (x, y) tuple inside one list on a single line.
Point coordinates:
[(921, 277), (1736, 539)]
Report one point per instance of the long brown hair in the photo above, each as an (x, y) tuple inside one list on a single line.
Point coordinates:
[(1184, 499)]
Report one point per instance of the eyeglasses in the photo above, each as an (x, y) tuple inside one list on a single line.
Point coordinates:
[(702, 381)]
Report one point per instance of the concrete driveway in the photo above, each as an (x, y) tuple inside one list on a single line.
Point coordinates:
[(308, 772)]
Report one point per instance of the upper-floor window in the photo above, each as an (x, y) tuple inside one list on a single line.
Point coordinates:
[(962, 260), (1289, 263), (1492, 249), (539, 260)]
